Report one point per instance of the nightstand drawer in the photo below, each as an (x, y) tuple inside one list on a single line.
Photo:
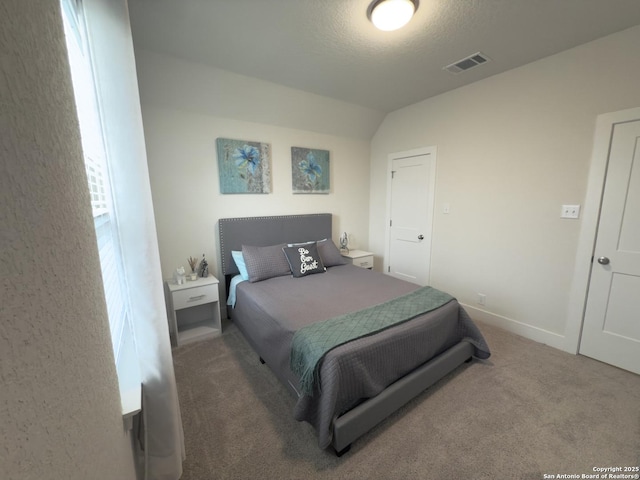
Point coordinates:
[(364, 262), (191, 297)]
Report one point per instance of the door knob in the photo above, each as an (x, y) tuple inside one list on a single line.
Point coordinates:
[(420, 237), (603, 261)]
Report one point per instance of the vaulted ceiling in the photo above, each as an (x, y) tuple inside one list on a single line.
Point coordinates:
[(329, 47)]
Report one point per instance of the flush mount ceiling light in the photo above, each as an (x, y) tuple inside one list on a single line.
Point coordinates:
[(391, 15)]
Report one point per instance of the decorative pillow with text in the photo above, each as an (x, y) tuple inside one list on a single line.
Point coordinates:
[(304, 259), (328, 251)]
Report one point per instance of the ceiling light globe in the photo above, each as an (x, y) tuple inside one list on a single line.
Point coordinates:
[(390, 15)]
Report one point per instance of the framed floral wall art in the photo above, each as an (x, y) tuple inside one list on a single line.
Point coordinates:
[(310, 170), (244, 166)]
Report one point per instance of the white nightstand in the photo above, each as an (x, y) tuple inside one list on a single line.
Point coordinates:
[(193, 310), (360, 258)]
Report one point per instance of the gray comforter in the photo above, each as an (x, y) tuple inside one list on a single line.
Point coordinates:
[(269, 313)]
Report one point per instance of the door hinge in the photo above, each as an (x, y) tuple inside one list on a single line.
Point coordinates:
[(392, 174), (389, 269), (391, 223)]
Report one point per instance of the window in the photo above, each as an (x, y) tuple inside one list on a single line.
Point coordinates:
[(96, 164)]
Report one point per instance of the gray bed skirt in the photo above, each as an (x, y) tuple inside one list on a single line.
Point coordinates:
[(356, 422)]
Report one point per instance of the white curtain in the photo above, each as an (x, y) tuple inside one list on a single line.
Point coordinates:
[(114, 66)]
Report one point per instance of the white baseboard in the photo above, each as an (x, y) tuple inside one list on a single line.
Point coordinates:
[(536, 334)]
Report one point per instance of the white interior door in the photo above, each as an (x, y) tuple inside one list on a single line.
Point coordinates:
[(412, 184), (611, 329)]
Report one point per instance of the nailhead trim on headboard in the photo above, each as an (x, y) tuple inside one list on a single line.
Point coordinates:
[(227, 264)]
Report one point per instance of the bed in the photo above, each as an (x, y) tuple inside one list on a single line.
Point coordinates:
[(357, 383)]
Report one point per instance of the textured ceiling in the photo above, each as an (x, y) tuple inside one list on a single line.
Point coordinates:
[(330, 48)]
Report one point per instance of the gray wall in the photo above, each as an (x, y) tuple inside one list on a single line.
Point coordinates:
[(59, 400)]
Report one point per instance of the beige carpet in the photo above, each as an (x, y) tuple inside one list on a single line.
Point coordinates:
[(528, 411)]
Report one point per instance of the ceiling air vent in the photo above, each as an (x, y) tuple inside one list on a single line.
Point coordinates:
[(467, 63)]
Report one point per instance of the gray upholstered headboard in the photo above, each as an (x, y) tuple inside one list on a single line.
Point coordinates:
[(263, 231)]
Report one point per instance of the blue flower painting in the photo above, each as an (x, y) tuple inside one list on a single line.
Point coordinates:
[(247, 157), (310, 170), (244, 166)]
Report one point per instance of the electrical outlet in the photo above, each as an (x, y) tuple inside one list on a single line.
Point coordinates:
[(570, 211), (482, 299)]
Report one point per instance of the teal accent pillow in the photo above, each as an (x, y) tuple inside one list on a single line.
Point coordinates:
[(239, 259)]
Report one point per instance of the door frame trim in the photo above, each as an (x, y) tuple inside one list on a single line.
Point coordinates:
[(432, 152), (589, 228)]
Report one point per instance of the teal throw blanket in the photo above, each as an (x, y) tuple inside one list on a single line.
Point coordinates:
[(312, 342)]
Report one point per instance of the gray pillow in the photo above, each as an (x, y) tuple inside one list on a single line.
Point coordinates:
[(265, 262), (304, 259), (328, 251)]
